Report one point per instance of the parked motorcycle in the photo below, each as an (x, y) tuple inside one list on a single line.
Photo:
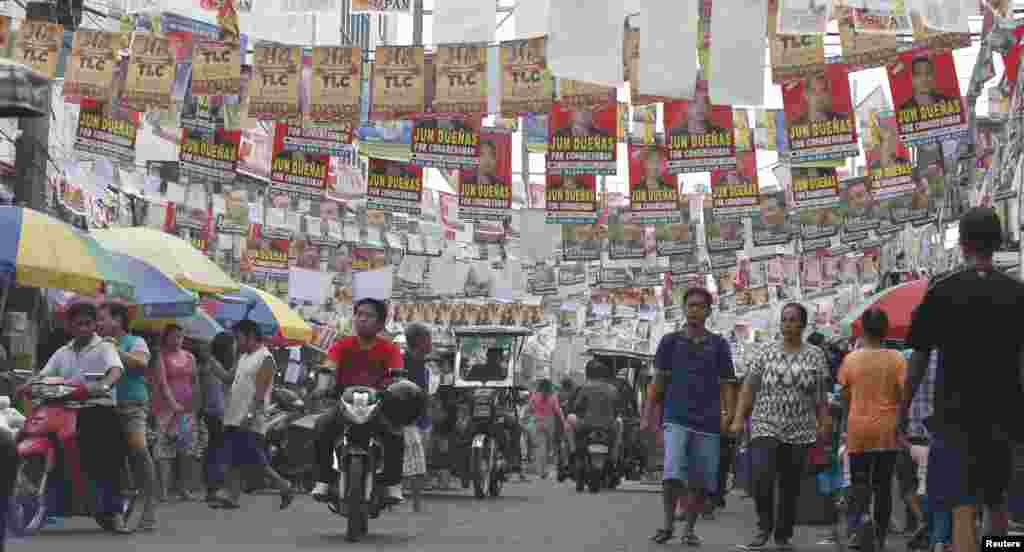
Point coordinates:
[(50, 461)]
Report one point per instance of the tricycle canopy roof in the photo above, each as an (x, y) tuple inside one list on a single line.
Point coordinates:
[(517, 331), (618, 353)]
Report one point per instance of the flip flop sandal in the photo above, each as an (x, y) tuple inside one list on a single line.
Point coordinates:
[(225, 504), (662, 536), (286, 499), (691, 539)]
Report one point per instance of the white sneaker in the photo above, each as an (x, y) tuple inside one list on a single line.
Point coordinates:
[(320, 490), (395, 493)]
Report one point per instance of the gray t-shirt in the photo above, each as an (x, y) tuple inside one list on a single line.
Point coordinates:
[(789, 388)]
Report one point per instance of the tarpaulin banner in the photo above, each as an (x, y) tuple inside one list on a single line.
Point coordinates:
[(216, 69), (94, 57), (394, 186), (582, 242), (863, 50), (399, 79), (446, 142), (770, 225), (38, 45), (106, 133), (857, 208), (819, 116), (334, 98), (582, 141), (571, 199), (814, 188), (793, 56), (574, 94), (680, 237), (526, 82), (485, 191), (151, 71), (735, 191), (927, 96), (699, 135), (209, 158), (301, 159), (653, 193), (274, 91), (722, 233), (460, 83), (625, 240)]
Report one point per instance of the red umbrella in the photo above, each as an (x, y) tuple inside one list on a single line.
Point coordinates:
[(898, 302)]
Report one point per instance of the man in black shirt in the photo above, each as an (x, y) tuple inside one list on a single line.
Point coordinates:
[(968, 315)]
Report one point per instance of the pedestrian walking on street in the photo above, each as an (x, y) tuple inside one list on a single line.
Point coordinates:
[(691, 367), (873, 380), (178, 441), (217, 372), (784, 397), (969, 316), (546, 414)]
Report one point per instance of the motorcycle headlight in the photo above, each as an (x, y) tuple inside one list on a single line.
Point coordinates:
[(359, 413)]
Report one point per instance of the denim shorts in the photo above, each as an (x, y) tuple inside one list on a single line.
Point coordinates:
[(692, 457), (243, 447)]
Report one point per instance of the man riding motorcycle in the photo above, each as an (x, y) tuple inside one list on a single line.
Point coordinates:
[(363, 359), (595, 405)]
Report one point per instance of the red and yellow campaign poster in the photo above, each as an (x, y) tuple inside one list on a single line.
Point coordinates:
[(90, 70), (274, 90), (922, 204), (264, 257), (485, 191), (319, 141), (735, 190), (216, 69), (107, 134), (526, 81), (582, 141), (722, 233), (151, 74), (299, 166), (770, 225), (446, 142), (574, 94), (398, 82), (394, 186), (699, 135), (334, 86), (653, 193), (814, 188), (889, 170), (857, 208), (460, 84), (926, 93), (819, 116), (571, 199), (209, 158)]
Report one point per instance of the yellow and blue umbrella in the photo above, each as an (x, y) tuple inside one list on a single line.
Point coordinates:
[(40, 251), (171, 255), (198, 327), (277, 320)]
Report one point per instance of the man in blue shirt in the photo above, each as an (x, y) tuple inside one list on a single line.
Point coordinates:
[(691, 367)]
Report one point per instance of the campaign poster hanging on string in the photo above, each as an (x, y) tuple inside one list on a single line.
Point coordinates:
[(446, 142), (274, 90), (933, 39), (38, 45), (300, 161), (582, 141), (485, 191), (792, 56), (770, 225), (926, 92), (889, 169), (819, 116), (653, 193), (394, 186), (735, 191), (90, 69), (106, 133), (264, 257), (316, 141), (208, 158), (625, 240), (815, 197), (574, 94), (857, 208), (334, 89), (582, 242), (216, 69), (863, 50), (680, 237), (699, 135), (920, 206), (460, 84), (722, 233), (526, 82), (382, 6), (571, 199), (151, 74), (398, 81)]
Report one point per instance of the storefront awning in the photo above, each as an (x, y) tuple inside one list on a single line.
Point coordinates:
[(23, 92)]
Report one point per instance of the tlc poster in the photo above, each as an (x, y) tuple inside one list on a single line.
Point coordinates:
[(394, 186), (582, 141), (446, 142), (571, 199), (819, 116), (770, 225), (485, 192), (653, 193), (735, 191), (857, 208), (927, 96), (699, 135)]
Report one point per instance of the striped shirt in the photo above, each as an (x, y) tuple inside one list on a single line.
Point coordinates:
[(922, 405)]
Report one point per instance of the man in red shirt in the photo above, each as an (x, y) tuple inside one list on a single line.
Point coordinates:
[(363, 359)]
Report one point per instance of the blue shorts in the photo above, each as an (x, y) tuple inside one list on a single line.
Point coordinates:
[(968, 467), (243, 448), (692, 457)]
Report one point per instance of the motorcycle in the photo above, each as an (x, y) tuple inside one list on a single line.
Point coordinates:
[(595, 467), (486, 467), (50, 460), (290, 439)]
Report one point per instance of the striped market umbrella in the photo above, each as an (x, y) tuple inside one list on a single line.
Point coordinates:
[(898, 302), (279, 322)]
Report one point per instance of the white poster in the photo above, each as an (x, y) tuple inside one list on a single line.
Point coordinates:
[(666, 28), (464, 21), (585, 42), (946, 15), (737, 26), (800, 17), (532, 18)]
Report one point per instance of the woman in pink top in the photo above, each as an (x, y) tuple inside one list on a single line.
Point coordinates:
[(174, 385), (547, 412)]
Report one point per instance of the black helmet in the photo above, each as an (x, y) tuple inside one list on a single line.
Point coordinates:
[(404, 402)]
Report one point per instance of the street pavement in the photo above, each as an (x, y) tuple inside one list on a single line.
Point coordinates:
[(534, 516)]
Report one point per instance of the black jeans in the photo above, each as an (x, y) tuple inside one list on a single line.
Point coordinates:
[(103, 449), (329, 428), (213, 463), (8, 473), (773, 461), (728, 453), (871, 478)]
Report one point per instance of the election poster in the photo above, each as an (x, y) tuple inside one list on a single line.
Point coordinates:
[(90, 71), (334, 88), (857, 208), (301, 158), (770, 224), (686, 264), (460, 83), (625, 240), (446, 141), (863, 50), (382, 6), (722, 233), (151, 71), (883, 18), (485, 191), (274, 90), (574, 94), (398, 82), (39, 45), (107, 134), (264, 257), (819, 116), (582, 242), (582, 141), (571, 199), (526, 82), (208, 158), (677, 238), (934, 39), (889, 169), (394, 186), (314, 140), (793, 56), (216, 69), (926, 92), (699, 135), (815, 197), (734, 191), (922, 204), (653, 193)]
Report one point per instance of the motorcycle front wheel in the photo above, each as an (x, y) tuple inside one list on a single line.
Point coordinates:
[(480, 470), (27, 510), (355, 491)]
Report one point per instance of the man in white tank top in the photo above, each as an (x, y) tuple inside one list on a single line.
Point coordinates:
[(244, 423)]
